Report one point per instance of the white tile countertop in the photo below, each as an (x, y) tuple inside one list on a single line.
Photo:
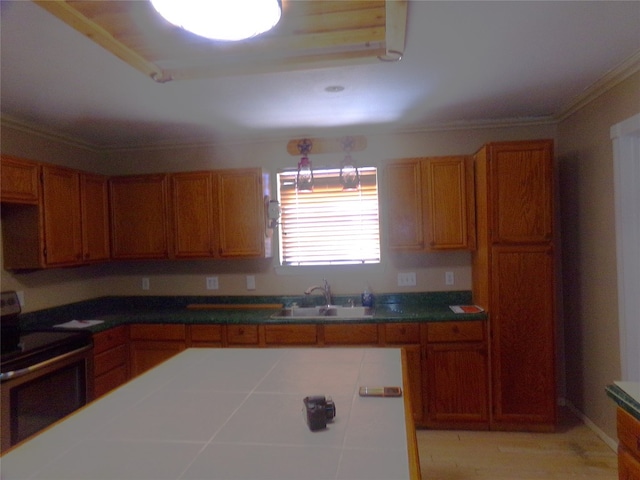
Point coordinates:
[(233, 414)]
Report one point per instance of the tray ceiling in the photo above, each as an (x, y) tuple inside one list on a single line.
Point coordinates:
[(309, 35)]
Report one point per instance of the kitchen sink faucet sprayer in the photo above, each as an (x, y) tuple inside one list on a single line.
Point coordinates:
[(326, 290)]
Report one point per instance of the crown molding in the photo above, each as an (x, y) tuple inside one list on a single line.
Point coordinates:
[(14, 123), (612, 78)]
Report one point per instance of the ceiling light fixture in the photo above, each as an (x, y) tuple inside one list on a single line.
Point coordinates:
[(229, 20)]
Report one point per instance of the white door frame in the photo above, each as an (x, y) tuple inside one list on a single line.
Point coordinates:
[(626, 158)]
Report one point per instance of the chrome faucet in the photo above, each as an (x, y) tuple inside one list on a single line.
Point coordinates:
[(326, 290)]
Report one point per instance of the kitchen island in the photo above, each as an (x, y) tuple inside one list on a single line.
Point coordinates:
[(235, 414)]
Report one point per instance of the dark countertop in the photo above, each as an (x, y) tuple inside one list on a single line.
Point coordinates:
[(627, 396), (420, 307)]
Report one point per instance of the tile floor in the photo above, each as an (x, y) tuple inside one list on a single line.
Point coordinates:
[(573, 452)]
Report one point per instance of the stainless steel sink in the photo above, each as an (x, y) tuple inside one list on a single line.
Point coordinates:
[(327, 312)]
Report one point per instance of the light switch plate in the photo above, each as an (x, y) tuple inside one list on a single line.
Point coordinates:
[(407, 279), (449, 279), (212, 283), (145, 283), (251, 282)]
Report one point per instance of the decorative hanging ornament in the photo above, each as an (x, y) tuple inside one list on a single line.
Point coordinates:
[(349, 175), (304, 179)]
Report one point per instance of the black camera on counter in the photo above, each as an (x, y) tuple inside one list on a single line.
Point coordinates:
[(319, 410)]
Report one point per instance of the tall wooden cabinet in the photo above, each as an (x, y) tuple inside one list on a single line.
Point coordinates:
[(430, 204), (514, 279)]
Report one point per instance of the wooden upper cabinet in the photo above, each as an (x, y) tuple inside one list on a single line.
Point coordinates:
[(241, 213), (94, 195), (20, 181), (430, 204), (403, 198), (521, 194), (192, 214), (61, 215), (139, 216), (449, 206)]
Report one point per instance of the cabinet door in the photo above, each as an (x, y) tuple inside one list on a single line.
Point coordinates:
[(19, 181), (62, 216), (276, 335), (457, 385), (147, 354), (521, 190), (522, 324), (403, 198), (139, 216), (241, 213), (447, 218), (192, 214), (94, 193)]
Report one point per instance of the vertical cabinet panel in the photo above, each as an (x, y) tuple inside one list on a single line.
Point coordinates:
[(403, 199), (446, 203), (521, 196), (94, 194), (61, 215), (522, 343), (241, 213), (192, 214), (19, 181), (139, 216)]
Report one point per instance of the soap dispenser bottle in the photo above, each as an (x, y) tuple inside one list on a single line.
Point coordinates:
[(367, 298)]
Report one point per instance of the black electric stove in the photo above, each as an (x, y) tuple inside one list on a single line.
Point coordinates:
[(23, 349)]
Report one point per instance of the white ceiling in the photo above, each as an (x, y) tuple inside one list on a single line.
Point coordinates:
[(465, 62)]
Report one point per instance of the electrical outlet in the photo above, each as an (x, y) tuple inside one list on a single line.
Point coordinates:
[(145, 283), (212, 283), (251, 282), (407, 279), (449, 278)]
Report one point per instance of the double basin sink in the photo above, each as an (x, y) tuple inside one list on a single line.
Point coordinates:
[(326, 312)]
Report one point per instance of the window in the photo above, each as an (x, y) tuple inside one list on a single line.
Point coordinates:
[(329, 226)]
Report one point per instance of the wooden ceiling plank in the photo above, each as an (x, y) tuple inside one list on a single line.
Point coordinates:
[(273, 47), (309, 62), (82, 24)]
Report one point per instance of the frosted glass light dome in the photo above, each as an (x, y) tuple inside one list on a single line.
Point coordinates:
[(221, 19)]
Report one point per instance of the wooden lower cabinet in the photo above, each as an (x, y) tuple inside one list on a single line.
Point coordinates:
[(153, 344), (457, 375), (629, 446), (447, 361), (110, 359)]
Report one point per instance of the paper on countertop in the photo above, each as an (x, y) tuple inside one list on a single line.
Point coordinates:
[(79, 323), (466, 308)]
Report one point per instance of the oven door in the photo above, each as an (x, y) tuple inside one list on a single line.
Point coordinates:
[(35, 397)]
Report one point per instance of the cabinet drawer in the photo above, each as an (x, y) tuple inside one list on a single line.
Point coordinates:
[(455, 331), (242, 334), (402, 333), (629, 432), (351, 334), (105, 361), (291, 334), (157, 332), (109, 339), (206, 333)]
